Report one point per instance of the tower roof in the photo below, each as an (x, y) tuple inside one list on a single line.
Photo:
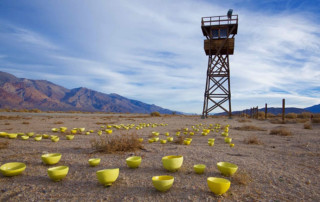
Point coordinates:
[(219, 22)]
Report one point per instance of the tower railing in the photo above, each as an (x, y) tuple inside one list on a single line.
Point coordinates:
[(219, 20)]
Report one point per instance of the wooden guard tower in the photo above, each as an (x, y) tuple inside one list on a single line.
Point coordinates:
[(218, 45)]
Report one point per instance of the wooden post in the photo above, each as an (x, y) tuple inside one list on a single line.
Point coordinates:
[(257, 112), (283, 109), (266, 111)]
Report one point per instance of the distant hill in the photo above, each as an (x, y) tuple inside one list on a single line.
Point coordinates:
[(21, 93), (314, 108)]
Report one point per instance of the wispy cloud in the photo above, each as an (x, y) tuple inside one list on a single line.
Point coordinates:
[(152, 51)]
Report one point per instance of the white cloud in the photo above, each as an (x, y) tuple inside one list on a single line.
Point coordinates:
[(152, 51)]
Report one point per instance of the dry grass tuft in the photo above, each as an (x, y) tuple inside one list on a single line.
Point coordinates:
[(241, 178), (307, 125), (25, 122), (291, 116), (7, 124), (316, 120), (116, 144), (179, 140), (277, 121), (250, 128), (4, 144), (155, 114), (58, 122), (253, 140), (280, 131), (244, 120)]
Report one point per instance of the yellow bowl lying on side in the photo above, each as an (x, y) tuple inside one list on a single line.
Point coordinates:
[(54, 130), (45, 136), (226, 168), (172, 163), (69, 137), (163, 141), (170, 139), (58, 173), (186, 142), (227, 139), (133, 161), (94, 161), (24, 137), (55, 139), (162, 183), (218, 185), (51, 159), (39, 138), (3, 134), (12, 135), (107, 176), (199, 168), (12, 169), (151, 140)]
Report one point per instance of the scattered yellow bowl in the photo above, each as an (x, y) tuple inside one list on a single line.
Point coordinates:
[(58, 173), (134, 161), (109, 131), (54, 130), (69, 137), (30, 134), (211, 140), (45, 136), (226, 168), (12, 169), (231, 145), (218, 185), (172, 163), (51, 159), (12, 135), (151, 140), (211, 143), (199, 168), (186, 142), (155, 139), (140, 139), (162, 183), (227, 140), (82, 129), (55, 139), (94, 162), (63, 129), (163, 141), (170, 139), (25, 137), (74, 131), (3, 134), (39, 138), (107, 176)]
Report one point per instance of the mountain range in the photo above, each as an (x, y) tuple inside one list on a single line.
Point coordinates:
[(21, 93)]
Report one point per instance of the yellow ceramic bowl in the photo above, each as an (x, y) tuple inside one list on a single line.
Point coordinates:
[(140, 139), (163, 141), (51, 159), (3, 134), (30, 134), (211, 140), (69, 137), (155, 139), (109, 131), (94, 161), (133, 161), (199, 168), (186, 142), (82, 129), (211, 143), (151, 140), (63, 129), (170, 139), (39, 138), (162, 183), (226, 168), (58, 173), (54, 130), (107, 176), (218, 185), (24, 137), (227, 140), (172, 163), (12, 135), (12, 169), (55, 139), (231, 145), (74, 131), (45, 136)]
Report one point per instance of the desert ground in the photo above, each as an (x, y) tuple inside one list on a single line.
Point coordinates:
[(271, 167)]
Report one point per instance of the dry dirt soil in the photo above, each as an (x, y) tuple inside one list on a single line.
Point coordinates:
[(271, 168)]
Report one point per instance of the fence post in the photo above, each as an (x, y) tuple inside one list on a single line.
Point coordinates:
[(265, 111), (257, 112), (283, 109)]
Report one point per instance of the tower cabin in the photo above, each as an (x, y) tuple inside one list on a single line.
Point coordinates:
[(219, 32)]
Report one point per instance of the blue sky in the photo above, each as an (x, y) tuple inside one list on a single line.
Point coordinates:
[(152, 51)]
